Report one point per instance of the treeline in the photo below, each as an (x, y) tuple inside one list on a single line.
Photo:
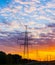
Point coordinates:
[(12, 59), (17, 59)]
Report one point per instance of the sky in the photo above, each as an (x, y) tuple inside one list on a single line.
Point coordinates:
[(38, 15)]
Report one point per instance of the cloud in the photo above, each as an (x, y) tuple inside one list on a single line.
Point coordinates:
[(36, 14)]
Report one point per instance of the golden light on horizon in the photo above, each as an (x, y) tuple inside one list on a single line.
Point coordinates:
[(40, 54)]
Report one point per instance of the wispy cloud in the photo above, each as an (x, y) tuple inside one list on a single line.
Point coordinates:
[(37, 14)]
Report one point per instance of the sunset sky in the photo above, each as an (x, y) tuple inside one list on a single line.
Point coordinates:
[(39, 16)]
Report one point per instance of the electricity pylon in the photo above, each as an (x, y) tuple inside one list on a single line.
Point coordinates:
[(26, 43), (26, 40), (26, 51)]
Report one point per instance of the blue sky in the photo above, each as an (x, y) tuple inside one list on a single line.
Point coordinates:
[(34, 13), (4, 3)]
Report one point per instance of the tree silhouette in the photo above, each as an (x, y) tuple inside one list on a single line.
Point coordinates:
[(10, 58), (2, 57), (13, 59), (17, 59)]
